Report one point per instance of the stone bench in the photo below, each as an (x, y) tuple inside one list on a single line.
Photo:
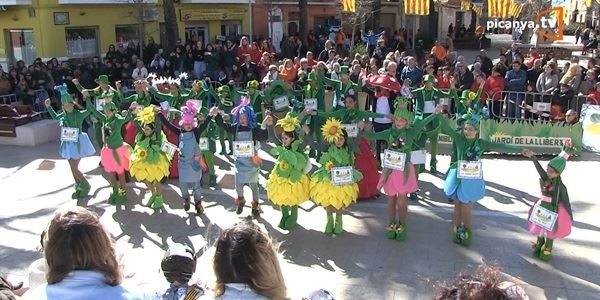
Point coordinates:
[(33, 134)]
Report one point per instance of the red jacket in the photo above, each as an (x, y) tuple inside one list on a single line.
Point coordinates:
[(493, 87), (443, 83), (242, 51), (594, 97)]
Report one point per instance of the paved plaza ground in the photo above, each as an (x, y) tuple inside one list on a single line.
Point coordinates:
[(359, 264)]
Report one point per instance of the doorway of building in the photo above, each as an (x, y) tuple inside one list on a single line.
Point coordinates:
[(196, 32), (21, 45)]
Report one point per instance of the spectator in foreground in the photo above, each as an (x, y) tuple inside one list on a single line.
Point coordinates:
[(81, 260), (483, 285), (246, 265)]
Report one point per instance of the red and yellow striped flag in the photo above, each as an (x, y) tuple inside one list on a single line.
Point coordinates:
[(349, 5), (477, 9), (500, 8), (516, 10), (465, 5), (416, 7)]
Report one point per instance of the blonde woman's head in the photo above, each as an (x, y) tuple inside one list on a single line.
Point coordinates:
[(244, 254)]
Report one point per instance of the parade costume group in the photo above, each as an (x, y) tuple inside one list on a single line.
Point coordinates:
[(173, 125)]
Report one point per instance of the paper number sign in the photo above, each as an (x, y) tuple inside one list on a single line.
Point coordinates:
[(469, 169), (169, 149), (243, 148), (310, 104), (394, 160), (351, 129), (281, 103), (543, 217), (69, 134), (342, 175), (203, 143)]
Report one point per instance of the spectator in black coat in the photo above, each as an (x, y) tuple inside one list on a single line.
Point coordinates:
[(463, 76), (486, 62)]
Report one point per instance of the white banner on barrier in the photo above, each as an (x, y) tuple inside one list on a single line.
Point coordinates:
[(590, 119)]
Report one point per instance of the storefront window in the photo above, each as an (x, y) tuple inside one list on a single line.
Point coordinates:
[(81, 42), (127, 34), (231, 28)]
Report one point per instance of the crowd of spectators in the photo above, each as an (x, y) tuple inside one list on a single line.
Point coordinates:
[(232, 62)]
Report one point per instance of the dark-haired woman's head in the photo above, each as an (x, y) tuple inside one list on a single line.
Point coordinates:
[(288, 137), (343, 140)]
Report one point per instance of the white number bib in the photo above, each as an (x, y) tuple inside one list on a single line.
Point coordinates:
[(281, 103), (469, 169), (394, 160), (342, 175), (69, 134), (311, 104), (351, 129), (243, 148), (543, 217), (168, 148), (203, 143), (429, 107)]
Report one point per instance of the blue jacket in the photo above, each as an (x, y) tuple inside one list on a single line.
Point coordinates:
[(414, 75), (371, 39), (516, 81), (88, 285)]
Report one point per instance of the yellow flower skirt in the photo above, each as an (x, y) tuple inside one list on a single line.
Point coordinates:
[(325, 194), (143, 171), (282, 191)]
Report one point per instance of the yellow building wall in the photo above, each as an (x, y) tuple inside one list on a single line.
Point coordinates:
[(50, 39)]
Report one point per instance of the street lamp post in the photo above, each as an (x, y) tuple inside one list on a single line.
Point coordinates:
[(250, 18)]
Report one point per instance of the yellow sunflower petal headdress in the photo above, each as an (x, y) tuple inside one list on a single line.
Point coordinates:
[(332, 130), (289, 123), (146, 115)]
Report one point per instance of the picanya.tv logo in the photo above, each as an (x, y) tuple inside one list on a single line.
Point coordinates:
[(548, 24)]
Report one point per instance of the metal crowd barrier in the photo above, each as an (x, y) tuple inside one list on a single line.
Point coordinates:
[(531, 106), (9, 98)]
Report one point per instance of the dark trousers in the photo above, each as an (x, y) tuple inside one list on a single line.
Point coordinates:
[(380, 144)]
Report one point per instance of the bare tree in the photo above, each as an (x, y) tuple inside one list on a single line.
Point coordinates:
[(364, 10), (170, 25), (530, 12)]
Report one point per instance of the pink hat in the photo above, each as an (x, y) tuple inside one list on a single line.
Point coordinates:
[(189, 113)]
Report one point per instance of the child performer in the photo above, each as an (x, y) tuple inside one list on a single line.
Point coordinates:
[(116, 153), (190, 170), (225, 104), (143, 98), (149, 164), (103, 92), (288, 184), (466, 188), (323, 191), (365, 161), (76, 147), (397, 183), (554, 198), (244, 129)]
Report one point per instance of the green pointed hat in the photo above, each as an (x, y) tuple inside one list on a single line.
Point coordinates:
[(65, 97), (428, 78), (472, 118), (344, 70), (224, 89), (102, 79), (252, 84), (468, 95), (402, 109), (560, 161)]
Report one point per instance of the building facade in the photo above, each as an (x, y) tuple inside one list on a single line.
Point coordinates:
[(70, 29)]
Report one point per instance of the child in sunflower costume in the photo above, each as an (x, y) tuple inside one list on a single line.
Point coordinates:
[(247, 167), (115, 155), (149, 164), (190, 168), (464, 180), (555, 198), (323, 191), (76, 147), (399, 180), (288, 185)]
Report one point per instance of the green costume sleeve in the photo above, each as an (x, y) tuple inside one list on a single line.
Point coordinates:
[(563, 197), (129, 98), (161, 96), (448, 129), (128, 116), (328, 81), (539, 169), (382, 135), (338, 114), (500, 147), (366, 114), (421, 124), (53, 113), (90, 106)]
